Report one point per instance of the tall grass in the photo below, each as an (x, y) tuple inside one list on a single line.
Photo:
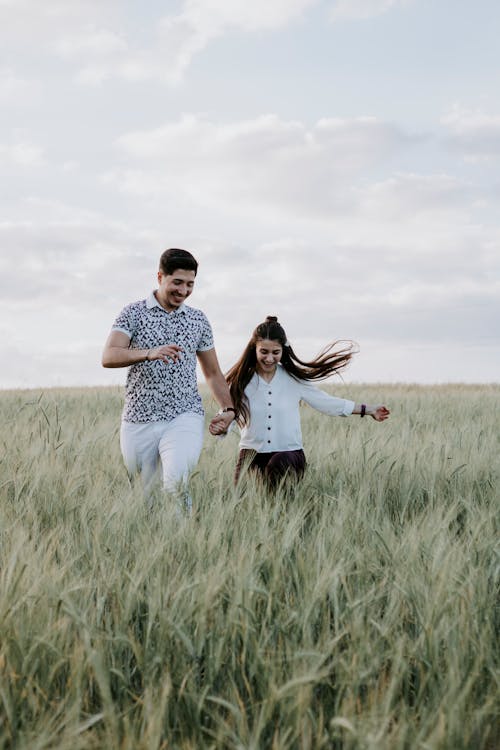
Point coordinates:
[(356, 610)]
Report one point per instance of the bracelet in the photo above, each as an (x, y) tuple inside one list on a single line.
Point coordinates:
[(363, 410), (228, 408)]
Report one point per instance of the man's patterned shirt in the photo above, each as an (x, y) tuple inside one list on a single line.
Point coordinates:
[(157, 390)]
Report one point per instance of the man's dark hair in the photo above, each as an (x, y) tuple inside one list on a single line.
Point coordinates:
[(175, 258)]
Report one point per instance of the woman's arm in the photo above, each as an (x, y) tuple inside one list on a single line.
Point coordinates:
[(378, 413), (324, 402), (339, 407)]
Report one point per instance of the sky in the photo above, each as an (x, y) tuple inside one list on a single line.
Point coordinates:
[(331, 162)]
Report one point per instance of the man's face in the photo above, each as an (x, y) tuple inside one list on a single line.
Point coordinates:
[(174, 288)]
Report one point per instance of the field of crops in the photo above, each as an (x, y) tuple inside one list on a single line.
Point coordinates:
[(354, 611)]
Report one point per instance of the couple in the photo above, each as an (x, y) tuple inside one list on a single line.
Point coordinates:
[(160, 339)]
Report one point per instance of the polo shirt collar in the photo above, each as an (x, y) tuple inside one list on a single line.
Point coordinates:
[(153, 302)]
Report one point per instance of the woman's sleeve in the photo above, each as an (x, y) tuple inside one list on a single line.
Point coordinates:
[(323, 402)]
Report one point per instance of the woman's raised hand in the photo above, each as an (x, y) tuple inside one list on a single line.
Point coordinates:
[(379, 413)]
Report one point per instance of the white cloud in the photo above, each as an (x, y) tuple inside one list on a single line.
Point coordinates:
[(93, 42), (266, 162), (42, 22), (21, 154), (201, 21), (96, 36), (215, 16), (362, 9), (104, 54), (474, 133), (70, 166), (101, 55), (16, 90), (182, 35), (416, 198)]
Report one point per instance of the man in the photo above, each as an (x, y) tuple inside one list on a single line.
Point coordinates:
[(159, 339)]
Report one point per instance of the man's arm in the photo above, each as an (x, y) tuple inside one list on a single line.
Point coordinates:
[(217, 383), (117, 352)]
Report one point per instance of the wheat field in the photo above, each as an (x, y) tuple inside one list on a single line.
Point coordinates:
[(357, 610)]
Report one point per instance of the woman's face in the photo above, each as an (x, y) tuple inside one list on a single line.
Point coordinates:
[(268, 354)]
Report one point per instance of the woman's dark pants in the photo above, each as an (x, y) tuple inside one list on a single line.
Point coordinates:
[(272, 467)]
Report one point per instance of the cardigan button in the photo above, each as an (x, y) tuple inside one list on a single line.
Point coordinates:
[(268, 441)]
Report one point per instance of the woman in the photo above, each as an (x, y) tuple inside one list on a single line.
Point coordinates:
[(267, 385)]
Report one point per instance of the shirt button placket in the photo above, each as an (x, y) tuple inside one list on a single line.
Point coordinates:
[(269, 393)]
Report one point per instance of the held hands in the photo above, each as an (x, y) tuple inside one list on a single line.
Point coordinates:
[(219, 425), (166, 353)]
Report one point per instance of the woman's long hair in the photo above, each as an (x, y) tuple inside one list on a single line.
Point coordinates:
[(332, 359)]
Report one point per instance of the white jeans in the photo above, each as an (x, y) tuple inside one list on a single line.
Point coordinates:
[(176, 444)]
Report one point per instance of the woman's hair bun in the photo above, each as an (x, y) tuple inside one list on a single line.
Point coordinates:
[(271, 319)]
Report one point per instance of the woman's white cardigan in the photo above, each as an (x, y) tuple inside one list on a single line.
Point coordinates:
[(274, 411)]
